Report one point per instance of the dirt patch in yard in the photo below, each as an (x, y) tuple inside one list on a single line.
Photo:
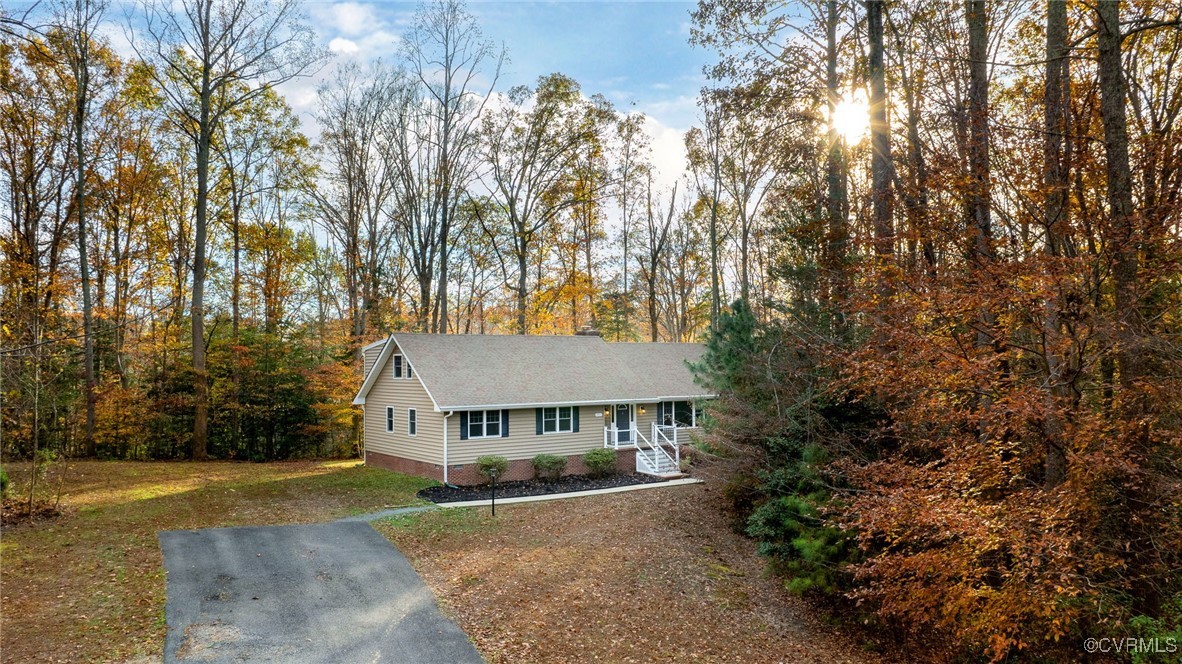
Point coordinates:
[(15, 512), (639, 576)]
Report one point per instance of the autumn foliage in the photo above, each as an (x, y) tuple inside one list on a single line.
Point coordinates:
[(969, 428)]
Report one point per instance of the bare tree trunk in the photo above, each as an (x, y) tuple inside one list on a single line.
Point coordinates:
[(979, 180), (880, 134), (80, 20), (836, 176), (1055, 182), (82, 83), (1120, 196), (716, 159), (522, 274), (199, 447)]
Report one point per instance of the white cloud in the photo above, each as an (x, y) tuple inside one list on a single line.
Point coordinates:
[(342, 45), (668, 146), (350, 18), (378, 43)]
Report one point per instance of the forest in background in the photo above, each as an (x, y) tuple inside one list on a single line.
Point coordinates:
[(950, 369), (186, 273), (965, 420)]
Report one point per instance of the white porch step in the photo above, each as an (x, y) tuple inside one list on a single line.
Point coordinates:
[(660, 466)]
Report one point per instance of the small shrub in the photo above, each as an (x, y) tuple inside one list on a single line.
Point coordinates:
[(549, 467), (601, 462), (3, 483), (491, 465)]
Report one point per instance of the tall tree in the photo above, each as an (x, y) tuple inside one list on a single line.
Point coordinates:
[(1124, 239), (1056, 164), (79, 20), (208, 58), (880, 133), (532, 146), (458, 69), (632, 157), (836, 178), (704, 151), (359, 119), (656, 243)]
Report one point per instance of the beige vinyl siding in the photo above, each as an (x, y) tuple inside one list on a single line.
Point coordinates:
[(403, 393), (368, 358), (523, 442)]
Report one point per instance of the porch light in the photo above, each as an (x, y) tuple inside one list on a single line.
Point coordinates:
[(642, 410), (607, 411)]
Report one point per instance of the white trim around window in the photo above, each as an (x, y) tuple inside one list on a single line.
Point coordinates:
[(484, 424), (389, 419), (412, 422), (558, 419), (396, 362), (671, 413)]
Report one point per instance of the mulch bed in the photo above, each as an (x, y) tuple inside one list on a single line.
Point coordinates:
[(535, 487)]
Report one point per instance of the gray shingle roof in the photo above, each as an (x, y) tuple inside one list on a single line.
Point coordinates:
[(468, 371)]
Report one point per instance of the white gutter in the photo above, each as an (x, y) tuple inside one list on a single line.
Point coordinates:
[(596, 402), (447, 415)]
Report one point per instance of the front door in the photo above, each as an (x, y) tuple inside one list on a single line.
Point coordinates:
[(622, 422)]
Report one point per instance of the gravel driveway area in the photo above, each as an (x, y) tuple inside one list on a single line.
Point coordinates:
[(336, 592)]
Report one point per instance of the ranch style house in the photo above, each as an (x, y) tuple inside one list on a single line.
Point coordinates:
[(433, 403)]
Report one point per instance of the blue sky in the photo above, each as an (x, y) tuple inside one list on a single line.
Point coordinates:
[(635, 53)]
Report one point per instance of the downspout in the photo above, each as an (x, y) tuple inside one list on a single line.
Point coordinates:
[(447, 415)]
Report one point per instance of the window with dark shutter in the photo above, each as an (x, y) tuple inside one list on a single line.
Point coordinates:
[(560, 419), (484, 424)]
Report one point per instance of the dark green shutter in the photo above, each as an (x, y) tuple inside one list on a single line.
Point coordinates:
[(660, 413), (464, 425), (575, 417), (538, 420), (504, 424)]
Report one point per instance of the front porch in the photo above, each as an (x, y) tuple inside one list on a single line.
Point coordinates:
[(657, 453)]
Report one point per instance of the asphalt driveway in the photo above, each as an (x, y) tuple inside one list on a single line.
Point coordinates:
[(336, 592)]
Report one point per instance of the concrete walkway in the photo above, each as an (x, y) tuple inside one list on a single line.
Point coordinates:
[(337, 592)]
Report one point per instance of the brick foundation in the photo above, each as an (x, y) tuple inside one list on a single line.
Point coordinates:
[(467, 475), (407, 466)]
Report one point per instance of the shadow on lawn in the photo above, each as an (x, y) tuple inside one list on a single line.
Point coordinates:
[(90, 586)]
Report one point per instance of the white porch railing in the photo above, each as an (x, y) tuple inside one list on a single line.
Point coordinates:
[(666, 435), (652, 457)]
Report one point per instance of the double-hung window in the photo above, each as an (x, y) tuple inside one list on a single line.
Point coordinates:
[(389, 419), (681, 413), (484, 423), (412, 422), (558, 420), (397, 366)]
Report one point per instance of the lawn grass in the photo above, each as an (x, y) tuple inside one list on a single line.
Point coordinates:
[(89, 585)]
